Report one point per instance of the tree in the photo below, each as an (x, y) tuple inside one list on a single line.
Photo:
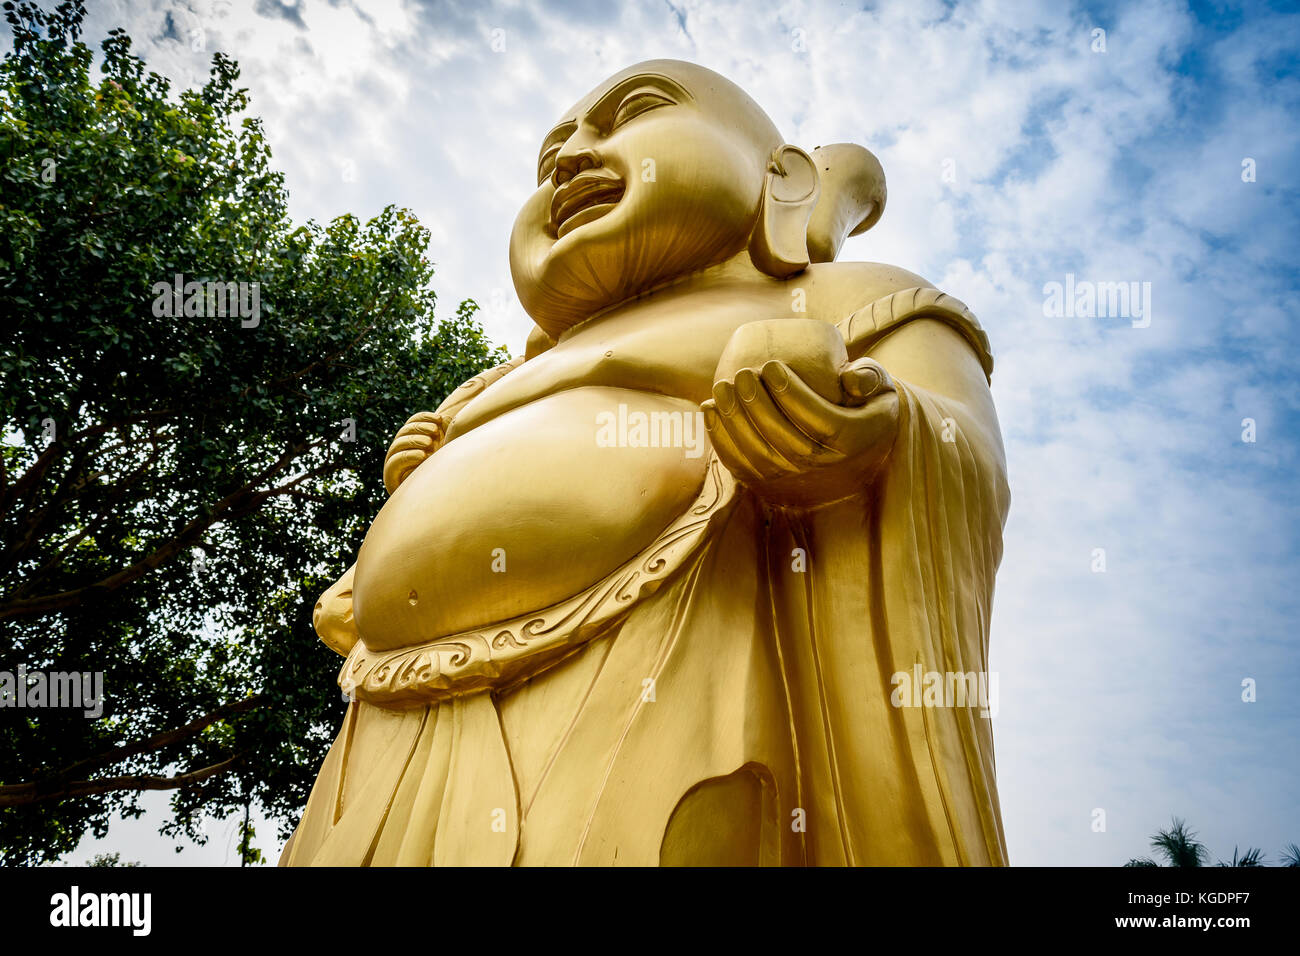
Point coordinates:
[(108, 859), (1180, 847), (1253, 856), (182, 474)]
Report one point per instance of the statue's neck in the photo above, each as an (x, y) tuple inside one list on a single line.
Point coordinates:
[(735, 274)]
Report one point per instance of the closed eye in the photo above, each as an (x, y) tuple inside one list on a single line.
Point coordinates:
[(546, 165), (636, 103), (639, 101)]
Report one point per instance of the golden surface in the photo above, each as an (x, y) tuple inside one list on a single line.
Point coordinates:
[(643, 595)]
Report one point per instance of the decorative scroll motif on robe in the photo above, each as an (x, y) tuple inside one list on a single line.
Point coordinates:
[(500, 654)]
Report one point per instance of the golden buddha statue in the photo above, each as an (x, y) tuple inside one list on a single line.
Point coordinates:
[(642, 595)]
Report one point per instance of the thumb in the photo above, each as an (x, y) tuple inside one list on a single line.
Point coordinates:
[(863, 379)]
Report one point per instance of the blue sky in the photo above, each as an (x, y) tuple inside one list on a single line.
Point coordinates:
[(1120, 690)]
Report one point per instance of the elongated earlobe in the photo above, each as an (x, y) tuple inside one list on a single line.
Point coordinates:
[(852, 197), (779, 244)]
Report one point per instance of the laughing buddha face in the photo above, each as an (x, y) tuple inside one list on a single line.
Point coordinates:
[(655, 174)]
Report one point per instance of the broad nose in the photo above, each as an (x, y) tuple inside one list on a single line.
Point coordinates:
[(572, 161)]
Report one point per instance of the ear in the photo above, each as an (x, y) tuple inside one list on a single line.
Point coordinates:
[(852, 197), (779, 244)]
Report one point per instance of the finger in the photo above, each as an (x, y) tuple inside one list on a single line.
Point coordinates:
[(819, 419), (432, 429), (863, 379), (762, 457), (724, 398), (425, 417), (399, 465), (405, 443), (787, 438), (726, 448)]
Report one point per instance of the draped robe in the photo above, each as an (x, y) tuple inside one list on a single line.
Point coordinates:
[(725, 701)]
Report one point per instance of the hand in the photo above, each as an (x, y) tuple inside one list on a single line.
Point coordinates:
[(332, 616), (415, 441), (780, 437)]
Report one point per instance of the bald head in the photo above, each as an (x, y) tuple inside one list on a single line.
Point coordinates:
[(714, 93)]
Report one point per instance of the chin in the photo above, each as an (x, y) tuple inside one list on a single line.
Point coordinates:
[(608, 260)]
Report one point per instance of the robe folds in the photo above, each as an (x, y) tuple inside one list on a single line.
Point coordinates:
[(742, 711)]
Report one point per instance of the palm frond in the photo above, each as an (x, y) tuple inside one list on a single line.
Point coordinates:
[(1179, 845), (1253, 856)]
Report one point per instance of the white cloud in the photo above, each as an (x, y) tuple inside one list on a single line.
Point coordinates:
[(1120, 690)]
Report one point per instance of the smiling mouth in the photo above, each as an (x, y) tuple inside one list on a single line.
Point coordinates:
[(585, 197)]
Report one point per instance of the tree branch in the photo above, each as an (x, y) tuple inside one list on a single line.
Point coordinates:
[(37, 469), (25, 793), (235, 504), (159, 740), (64, 548)]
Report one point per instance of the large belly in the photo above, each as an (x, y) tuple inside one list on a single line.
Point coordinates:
[(525, 511)]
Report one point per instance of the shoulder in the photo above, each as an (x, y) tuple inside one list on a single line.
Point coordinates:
[(870, 301), (841, 288)]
